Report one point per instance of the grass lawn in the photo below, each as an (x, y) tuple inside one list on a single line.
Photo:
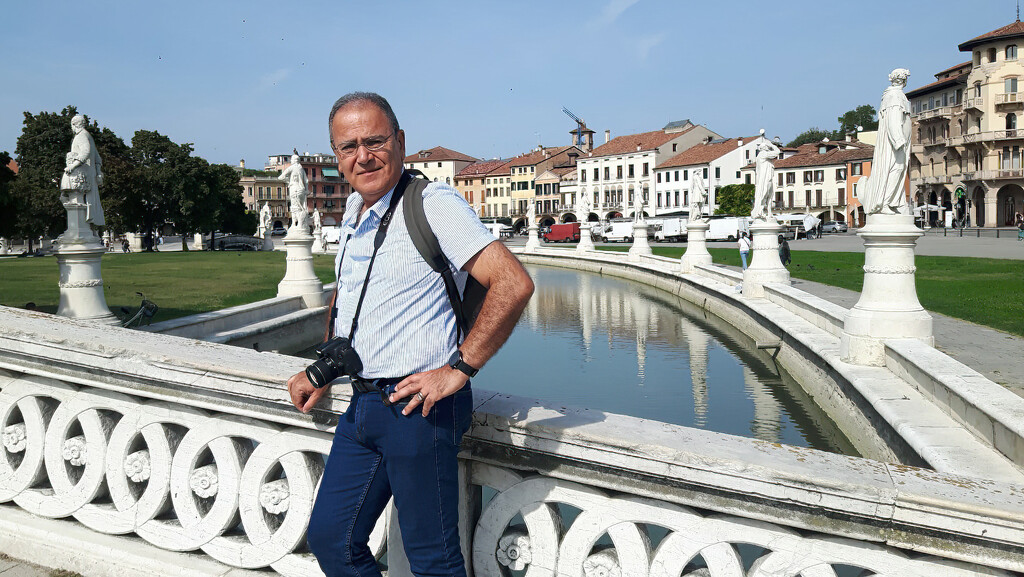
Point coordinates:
[(985, 291), (180, 283)]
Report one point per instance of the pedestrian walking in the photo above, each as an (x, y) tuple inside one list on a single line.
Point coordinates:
[(784, 253), (744, 246)]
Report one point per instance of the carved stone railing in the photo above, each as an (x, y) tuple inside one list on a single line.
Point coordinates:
[(194, 447)]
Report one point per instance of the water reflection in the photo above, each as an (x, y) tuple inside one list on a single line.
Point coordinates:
[(617, 346)]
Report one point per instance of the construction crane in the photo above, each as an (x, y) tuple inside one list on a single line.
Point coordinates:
[(581, 126)]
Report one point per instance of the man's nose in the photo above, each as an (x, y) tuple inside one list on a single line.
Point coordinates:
[(363, 155)]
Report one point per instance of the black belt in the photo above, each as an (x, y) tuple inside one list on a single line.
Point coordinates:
[(374, 385)]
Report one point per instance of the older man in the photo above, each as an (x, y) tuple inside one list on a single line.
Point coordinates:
[(401, 433)]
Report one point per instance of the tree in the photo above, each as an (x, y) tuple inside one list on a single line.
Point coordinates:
[(863, 116), (8, 208), (813, 134), (735, 199)]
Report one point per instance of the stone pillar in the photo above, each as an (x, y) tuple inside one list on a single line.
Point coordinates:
[(318, 241), (991, 208), (135, 241), (888, 307), (299, 277), (640, 244), (532, 241), (78, 259), (268, 241), (765, 265), (696, 246), (5, 245), (586, 241), (197, 241)]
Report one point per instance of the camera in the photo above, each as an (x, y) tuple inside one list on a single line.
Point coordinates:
[(336, 358)]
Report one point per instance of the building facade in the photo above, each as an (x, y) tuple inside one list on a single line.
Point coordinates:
[(624, 166), (472, 183), (967, 151), (328, 189), (439, 164), (523, 172), (260, 189), (720, 163)]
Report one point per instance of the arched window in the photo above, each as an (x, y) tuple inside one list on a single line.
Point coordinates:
[(1011, 52), (1011, 121), (991, 55)]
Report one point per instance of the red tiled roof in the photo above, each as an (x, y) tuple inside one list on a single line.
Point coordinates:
[(705, 153), (952, 68), (538, 156), (630, 142), (438, 154), (481, 168), (836, 156), (938, 84), (1008, 31)]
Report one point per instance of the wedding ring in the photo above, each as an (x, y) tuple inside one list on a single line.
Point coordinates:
[(419, 397)]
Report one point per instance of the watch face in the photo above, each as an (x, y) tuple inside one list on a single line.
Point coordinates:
[(454, 359)]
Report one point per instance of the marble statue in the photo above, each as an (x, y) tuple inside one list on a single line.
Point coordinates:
[(583, 207), (638, 205), (764, 181), (698, 195), (83, 173), (531, 214), (298, 188), (264, 220), (885, 192), (317, 227)]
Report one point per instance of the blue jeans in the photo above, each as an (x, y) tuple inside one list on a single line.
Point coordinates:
[(743, 257), (378, 452)]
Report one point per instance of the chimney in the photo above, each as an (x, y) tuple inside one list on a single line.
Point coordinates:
[(607, 136), (638, 147), (241, 163), (739, 142)]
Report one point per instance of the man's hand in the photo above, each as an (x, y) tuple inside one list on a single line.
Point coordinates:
[(428, 388), (304, 395)]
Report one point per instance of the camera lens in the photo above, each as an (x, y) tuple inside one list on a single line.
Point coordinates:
[(320, 373)]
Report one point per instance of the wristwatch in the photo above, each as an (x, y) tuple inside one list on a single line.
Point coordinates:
[(458, 364)]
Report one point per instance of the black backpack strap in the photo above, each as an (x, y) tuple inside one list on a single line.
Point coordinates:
[(426, 243)]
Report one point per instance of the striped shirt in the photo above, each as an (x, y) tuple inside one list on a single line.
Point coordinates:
[(406, 324)]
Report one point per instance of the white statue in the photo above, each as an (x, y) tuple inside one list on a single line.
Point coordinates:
[(583, 207), (638, 205), (83, 173), (698, 196), (316, 221), (531, 213), (298, 188), (264, 220), (884, 192), (764, 181)]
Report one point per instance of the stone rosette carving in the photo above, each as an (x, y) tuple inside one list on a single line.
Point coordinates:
[(602, 564), (274, 496), (75, 451), (890, 269), (15, 438), (137, 466), (514, 550), (203, 481)]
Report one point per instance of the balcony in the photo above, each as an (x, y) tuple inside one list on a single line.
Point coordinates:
[(991, 135), (940, 179), (1010, 100), (942, 112), (976, 103)]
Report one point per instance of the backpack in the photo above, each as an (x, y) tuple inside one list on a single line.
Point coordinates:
[(468, 306)]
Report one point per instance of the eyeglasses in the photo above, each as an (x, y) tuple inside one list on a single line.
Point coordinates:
[(371, 144)]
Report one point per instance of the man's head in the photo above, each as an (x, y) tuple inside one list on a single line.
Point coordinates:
[(77, 123), (370, 146)]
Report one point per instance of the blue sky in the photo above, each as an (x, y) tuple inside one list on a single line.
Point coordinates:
[(250, 79)]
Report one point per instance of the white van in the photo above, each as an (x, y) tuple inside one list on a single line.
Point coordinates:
[(618, 231)]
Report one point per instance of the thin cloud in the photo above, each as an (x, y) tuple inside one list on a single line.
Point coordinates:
[(648, 43), (611, 12), (272, 79)]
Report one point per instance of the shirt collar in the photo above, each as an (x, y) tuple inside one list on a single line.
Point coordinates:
[(378, 209)]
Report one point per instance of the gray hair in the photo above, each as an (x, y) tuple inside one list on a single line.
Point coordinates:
[(370, 97)]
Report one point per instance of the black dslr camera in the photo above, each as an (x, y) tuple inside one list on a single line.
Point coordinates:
[(337, 357)]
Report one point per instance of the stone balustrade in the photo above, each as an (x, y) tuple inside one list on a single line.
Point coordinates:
[(184, 447)]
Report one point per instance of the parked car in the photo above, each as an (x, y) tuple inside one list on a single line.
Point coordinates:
[(278, 231), (834, 226)]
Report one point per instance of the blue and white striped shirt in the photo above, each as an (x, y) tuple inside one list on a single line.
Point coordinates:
[(406, 324)]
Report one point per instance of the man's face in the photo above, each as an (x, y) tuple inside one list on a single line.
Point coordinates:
[(371, 173)]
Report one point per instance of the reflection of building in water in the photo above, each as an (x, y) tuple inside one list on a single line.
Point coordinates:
[(767, 423), (586, 304), (698, 347), (643, 327)]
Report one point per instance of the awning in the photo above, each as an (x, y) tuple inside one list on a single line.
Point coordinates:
[(330, 172)]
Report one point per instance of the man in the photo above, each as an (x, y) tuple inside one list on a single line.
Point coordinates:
[(407, 342)]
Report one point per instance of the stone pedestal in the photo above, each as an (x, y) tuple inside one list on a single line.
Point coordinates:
[(268, 241), (197, 241), (78, 259), (318, 241), (5, 246), (888, 307), (299, 277), (532, 240), (640, 245), (586, 241), (135, 241), (765, 265), (696, 246)]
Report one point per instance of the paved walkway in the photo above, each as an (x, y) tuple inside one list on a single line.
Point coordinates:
[(14, 568)]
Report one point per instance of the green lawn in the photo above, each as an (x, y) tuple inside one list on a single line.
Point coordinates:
[(985, 291), (180, 283)]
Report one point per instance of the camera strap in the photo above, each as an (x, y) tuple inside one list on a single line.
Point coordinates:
[(378, 241)]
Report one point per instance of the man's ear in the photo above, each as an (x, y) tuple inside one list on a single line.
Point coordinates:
[(400, 137)]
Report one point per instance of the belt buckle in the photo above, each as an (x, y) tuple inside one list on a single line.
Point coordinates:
[(383, 393)]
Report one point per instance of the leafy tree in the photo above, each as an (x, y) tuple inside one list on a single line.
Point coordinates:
[(863, 116), (813, 134), (8, 208), (735, 199)]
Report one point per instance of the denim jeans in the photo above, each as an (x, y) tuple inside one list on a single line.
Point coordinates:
[(378, 452), (743, 257)]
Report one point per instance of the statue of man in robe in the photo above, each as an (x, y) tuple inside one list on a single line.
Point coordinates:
[(264, 220), (298, 188), (83, 171), (885, 190), (698, 195), (764, 181)]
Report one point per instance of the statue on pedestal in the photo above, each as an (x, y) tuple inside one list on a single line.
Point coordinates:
[(317, 226), (583, 207), (764, 181), (298, 188), (264, 227), (638, 205), (885, 190), (531, 214), (698, 196), (83, 173)]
